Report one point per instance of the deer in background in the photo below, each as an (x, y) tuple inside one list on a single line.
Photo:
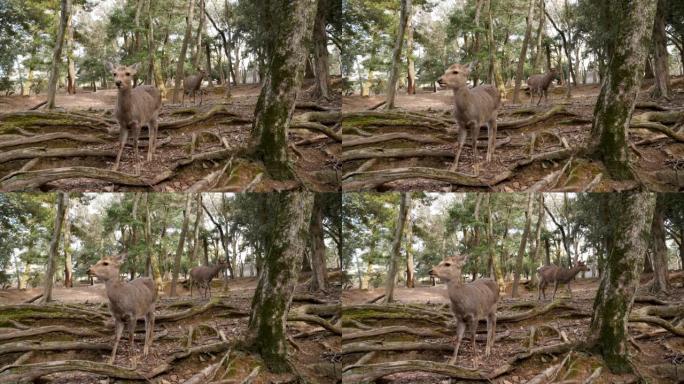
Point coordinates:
[(128, 301), (539, 84), (557, 275), (202, 276), (473, 109), (192, 85), (470, 302), (135, 107)]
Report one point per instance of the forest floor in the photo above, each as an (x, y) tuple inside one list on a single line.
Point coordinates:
[(191, 334), (412, 147), (430, 337), (198, 146)]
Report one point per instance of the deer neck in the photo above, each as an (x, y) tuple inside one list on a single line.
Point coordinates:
[(124, 103), (112, 285)]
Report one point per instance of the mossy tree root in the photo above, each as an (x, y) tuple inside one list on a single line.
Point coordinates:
[(393, 329), (226, 310), (515, 124), (32, 345), (39, 119), (372, 372), (314, 314), (35, 152), (20, 181), (370, 346), (374, 179), (216, 111), (48, 329), (81, 138), (538, 311), (30, 372), (19, 312)]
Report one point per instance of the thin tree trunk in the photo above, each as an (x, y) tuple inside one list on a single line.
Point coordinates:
[(496, 271), (207, 47), (154, 262), (410, 268), (198, 44), (181, 245), (476, 43), (523, 245), (523, 53), (282, 262), (661, 283), (396, 53), (196, 229), (661, 62), (395, 254), (411, 66), (184, 49), (537, 67), (320, 43), (66, 246), (54, 244), (71, 67), (494, 68), (537, 238), (318, 265), (57, 53), (608, 336), (615, 104)]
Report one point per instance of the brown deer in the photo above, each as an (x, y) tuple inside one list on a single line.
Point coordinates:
[(557, 275), (470, 302), (192, 85), (539, 84), (128, 301), (135, 107), (473, 109), (202, 276)]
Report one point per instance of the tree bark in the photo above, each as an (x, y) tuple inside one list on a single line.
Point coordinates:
[(523, 53), (537, 238), (495, 76), (181, 245), (661, 56), (659, 248), (608, 336), (411, 65), (184, 49), (318, 261), (198, 44), (282, 262), (57, 53), (154, 262), (615, 104), (320, 42), (496, 271), (71, 67), (410, 268), (68, 268), (395, 254), (276, 103), (396, 53), (537, 67), (54, 244), (196, 229), (523, 245)]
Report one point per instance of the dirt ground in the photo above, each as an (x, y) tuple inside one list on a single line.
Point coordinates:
[(218, 125), (315, 354), (657, 346), (657, 158)]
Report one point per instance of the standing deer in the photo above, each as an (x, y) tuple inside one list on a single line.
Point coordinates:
[(473, 109), (469, 301), (128, 301), (557, 275), (192, 85), (135, 107), (202, 276), (539, 84)]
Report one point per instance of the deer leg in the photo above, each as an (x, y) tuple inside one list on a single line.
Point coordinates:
[(460, 329), (491, 332), (555, 288), (131, 332), (475, 132), (491, 145), (569, 290), (539, 287), (152, 127), (473, 329), (119, 326), (135, 127), (123, 137), (462, 133), (149, 331)]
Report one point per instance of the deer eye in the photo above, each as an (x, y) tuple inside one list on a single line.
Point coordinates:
[(128, 73), (447, 265), (455, 72), (105, 263)]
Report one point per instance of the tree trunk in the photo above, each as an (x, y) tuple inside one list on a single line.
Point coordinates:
[(318, 261), (207, 47), (154, 262), (395, 254), (615, 104), (537, 238), (476, 43), (523, 53), (410, 268), (608, 336), (71, 67), (66, 246), (282, 261), (411, 66), (198, 44), (396, 53), (181, 245), (54, 244), (659, 248), (281, 85), (661, 56), (196, 229), (57, 53), (538, 56), (181, 58), (496, 270), (320, 43), (494, 68), (523, 245)]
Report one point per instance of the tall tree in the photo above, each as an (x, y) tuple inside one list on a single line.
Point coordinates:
[(181, 244), (523, 53), (196, 229), (320, 43), (629, 25), (281, 265), (608, 336), (57, 53), (538, 55), (287, 54), (318, 265), (54, 244), (661, 57), (71, 67), (537, 237), (523, 245), (404, 14), (410, 267), (395, 253), (184, 49), (661, 283), (154, 261), (66, 247), (410, 62)]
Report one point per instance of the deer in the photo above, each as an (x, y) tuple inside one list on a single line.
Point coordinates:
[(192, 85), (128, 301), (557, 275), (135, 107), (470, 302), (539, 84), (473, 109), (202, 276)]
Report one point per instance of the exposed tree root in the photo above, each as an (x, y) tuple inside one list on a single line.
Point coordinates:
[(25, 346), (382, 311), (393, 329), (537, 311), (658, 128), (311, 105), (30, 372), (19, 181), (658, 322), (226, 310), (316, 127), (38, 119), (372, 372), (352, 141), (313, 313), (82, 138), (550, 373), (48, 329), (30, 153), (373, 179), (216, 111), (20, 312), (556, 110), (370, 346)]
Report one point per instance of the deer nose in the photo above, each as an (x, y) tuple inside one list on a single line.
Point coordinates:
[(118, 83)]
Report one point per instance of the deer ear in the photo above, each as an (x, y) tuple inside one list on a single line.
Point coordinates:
[(109, 66), (120, 258), (472, 65), (135, 67)]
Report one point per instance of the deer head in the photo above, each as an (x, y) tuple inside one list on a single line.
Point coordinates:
[(450, 268), (107, 268), (456, 76), (123, 75)]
